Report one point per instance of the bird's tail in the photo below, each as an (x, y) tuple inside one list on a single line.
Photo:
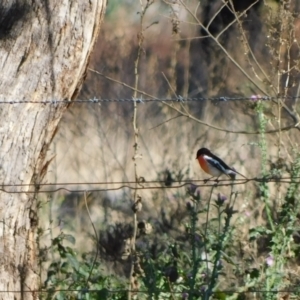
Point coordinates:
[(234, 173)]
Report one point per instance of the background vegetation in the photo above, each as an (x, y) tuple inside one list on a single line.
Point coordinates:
[(126, 237)]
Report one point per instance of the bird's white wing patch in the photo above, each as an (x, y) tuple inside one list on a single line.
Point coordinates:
[(214, 163), (216, 168)]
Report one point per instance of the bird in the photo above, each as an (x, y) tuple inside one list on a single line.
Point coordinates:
[(214, 166)]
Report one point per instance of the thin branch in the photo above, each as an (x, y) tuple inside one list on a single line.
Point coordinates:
[(292, 115), (224, 50), (136, 145), (247, 46), (96, 236), (166, 121), (215, 15), (237, 18)]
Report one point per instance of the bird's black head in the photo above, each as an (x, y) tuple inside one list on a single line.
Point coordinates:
[(203, 151)]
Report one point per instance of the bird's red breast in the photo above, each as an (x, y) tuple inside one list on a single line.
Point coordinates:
[(203, 164)]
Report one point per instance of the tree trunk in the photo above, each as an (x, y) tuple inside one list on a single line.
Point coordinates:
[(44, 51)]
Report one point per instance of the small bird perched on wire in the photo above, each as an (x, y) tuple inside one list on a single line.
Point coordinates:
[(214, 166)]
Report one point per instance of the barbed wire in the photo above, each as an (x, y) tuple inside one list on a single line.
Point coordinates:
[(142, 180), (96, 100), (142, 185), (295, 289)]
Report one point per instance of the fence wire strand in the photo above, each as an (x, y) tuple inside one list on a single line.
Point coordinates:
[(180, 99), (295, 289), (142, 185)]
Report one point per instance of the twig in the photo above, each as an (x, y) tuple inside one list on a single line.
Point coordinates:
[(246, 43), (175, 8), (173, 118), (206, 227), (223, 49), (135, 146), (239, 67), (96, 236)]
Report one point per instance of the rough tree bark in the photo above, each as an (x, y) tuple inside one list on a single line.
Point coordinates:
[(44, 50)]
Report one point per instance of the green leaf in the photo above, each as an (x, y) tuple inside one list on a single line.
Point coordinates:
[(83, 272), (70, 251), (102, 294), (220, 295), (60, 296), (256, 232), (73, 261), (64, 268), (70, 238)]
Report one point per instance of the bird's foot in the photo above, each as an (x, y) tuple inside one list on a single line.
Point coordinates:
[(206, 180)]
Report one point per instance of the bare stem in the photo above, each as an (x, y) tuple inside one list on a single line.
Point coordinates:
[(136, 143), (96, 237)]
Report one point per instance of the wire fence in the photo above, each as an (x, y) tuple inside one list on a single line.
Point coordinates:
[(293, 290), (96, 100), (141, 185)]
